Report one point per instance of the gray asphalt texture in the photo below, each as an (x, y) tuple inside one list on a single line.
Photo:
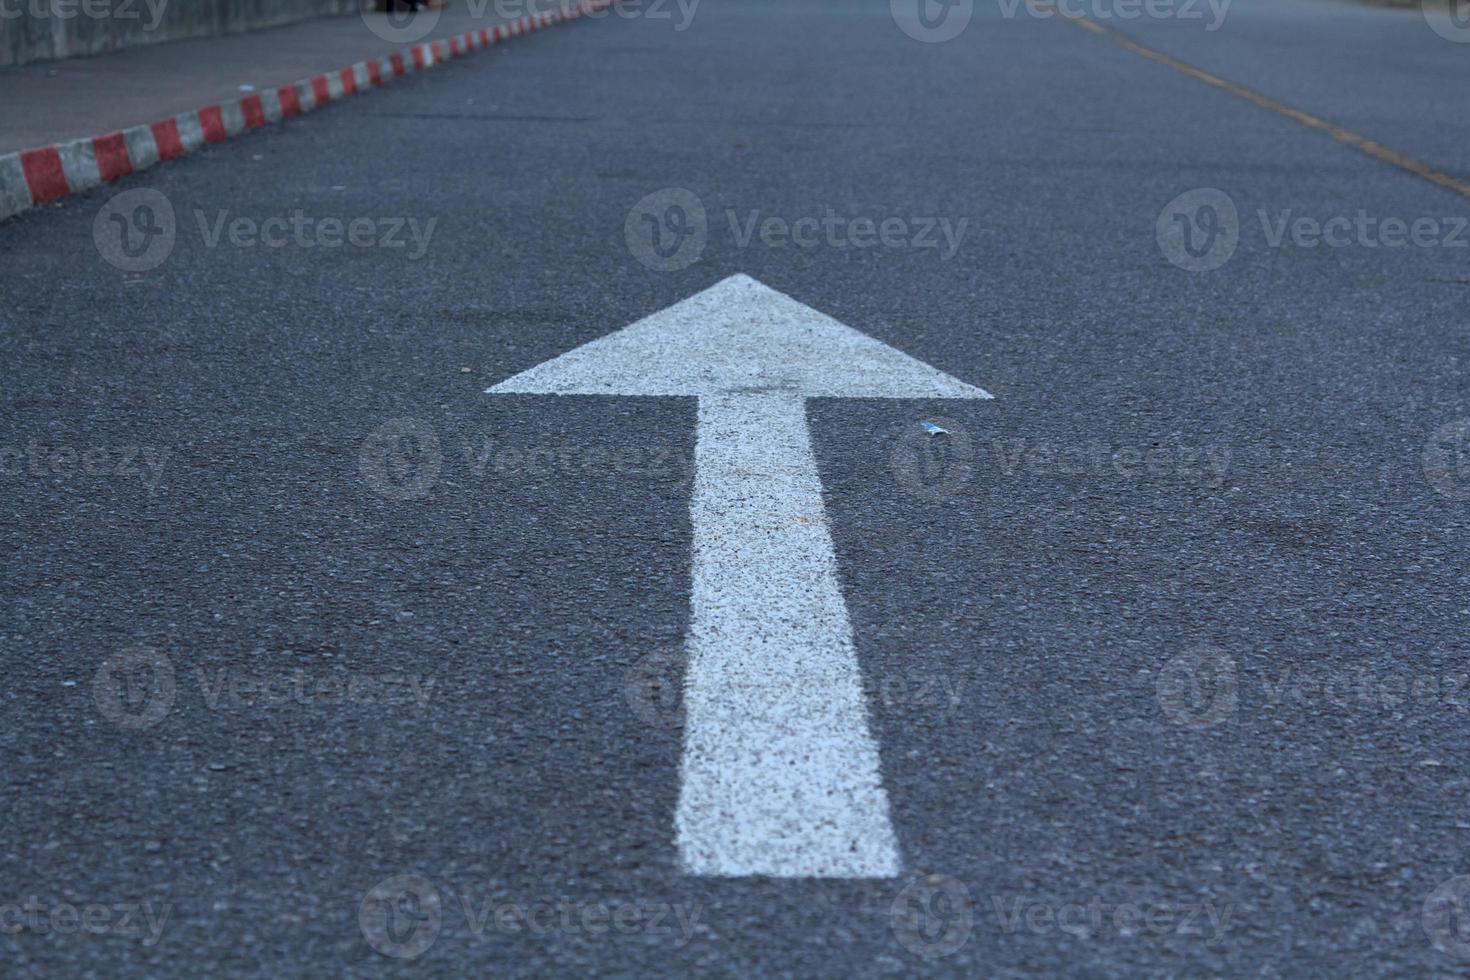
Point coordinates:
[(1016, 616)]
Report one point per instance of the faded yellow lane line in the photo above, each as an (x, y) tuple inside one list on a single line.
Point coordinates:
[(1360, 143)]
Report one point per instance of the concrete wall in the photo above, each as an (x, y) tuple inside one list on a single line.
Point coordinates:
[(37, 30)]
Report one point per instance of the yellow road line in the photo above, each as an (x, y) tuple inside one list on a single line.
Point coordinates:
[(1360, 143)]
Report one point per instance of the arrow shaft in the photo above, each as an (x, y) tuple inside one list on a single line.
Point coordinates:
[(780, 773)]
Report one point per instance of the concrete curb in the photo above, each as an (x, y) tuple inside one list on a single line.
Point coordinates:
[(49, 173)]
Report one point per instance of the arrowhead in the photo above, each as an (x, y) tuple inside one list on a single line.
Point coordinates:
[(738, 336)]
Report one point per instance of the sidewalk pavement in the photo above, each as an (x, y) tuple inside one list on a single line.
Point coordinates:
[(53, 102), (120, 113)]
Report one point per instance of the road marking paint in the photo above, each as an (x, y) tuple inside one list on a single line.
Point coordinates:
[(1346, 136), (780, 774)]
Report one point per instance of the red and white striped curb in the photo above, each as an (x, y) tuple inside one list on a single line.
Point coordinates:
[(33, 177)]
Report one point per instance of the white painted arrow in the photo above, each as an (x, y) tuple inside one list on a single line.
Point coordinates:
[(780, 774)]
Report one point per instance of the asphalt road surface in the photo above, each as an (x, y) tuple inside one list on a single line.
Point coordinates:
[(320, 660)]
